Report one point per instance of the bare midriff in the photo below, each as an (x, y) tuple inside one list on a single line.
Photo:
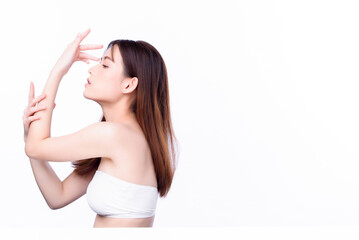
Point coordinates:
[(109, 222)]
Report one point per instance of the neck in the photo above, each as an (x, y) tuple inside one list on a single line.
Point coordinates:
[(118, 112)]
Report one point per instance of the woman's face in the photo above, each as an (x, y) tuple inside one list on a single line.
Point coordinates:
[(105, 82)]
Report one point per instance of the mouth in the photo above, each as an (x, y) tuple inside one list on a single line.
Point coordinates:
[(88, 81)]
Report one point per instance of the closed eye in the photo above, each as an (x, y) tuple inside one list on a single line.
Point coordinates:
[(104, 66)]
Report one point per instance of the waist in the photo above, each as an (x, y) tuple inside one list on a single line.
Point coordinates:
[(109, 222)]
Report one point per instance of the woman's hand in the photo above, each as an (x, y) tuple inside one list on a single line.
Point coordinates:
[(31, 109), (74, 53)]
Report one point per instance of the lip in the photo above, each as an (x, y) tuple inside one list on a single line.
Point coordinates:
[(88, 81)]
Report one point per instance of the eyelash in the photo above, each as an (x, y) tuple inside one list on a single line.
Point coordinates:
[(104, 66)]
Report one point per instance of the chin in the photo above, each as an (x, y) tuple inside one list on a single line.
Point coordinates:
[(84, 94), (90, 98), (87, 96)]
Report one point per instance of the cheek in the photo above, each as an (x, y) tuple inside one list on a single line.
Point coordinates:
[(110, 76), (112, 88), (112, 83), (108, 89)]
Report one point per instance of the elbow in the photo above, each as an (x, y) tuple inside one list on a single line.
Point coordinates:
[(29, 150), (54, 206), (32, 151)]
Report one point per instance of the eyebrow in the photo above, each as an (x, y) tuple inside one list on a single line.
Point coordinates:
[(107, 57)]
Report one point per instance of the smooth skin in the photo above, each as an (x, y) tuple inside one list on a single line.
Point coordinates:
[(119, 141)]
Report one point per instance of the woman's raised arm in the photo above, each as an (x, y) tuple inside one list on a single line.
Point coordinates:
[(80, 145)]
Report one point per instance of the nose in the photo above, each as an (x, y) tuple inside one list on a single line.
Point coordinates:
[(90, 71)]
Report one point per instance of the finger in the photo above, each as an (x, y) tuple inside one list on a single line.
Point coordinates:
[(81, 36), (83, 55), (31, 92), (26, 124), (38, 99), (36, 109), (32, 118), (84, 60), (90, 47)]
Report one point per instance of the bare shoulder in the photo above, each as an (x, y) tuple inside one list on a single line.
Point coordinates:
[(130, 141), (106, 128), (127, 133), (120, 133), (115, 132)]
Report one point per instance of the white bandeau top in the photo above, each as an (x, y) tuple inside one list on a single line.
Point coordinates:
[(110, 196)]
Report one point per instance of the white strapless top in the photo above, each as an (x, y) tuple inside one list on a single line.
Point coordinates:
[(110, 196)]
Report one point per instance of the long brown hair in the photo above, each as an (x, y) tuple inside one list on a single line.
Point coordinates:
[(152, 108)]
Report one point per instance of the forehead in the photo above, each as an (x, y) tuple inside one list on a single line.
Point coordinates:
[(113, 53)]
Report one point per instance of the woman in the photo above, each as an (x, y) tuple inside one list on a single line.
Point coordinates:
[(122, 162)]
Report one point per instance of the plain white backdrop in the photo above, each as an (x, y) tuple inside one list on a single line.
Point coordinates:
[(263, 98)]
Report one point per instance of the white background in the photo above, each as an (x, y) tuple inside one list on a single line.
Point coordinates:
[(263, 98)]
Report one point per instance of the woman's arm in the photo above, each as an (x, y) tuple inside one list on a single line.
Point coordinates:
[(89, 142), (40, 130), (56, 193), (96, 140), (48, 182)]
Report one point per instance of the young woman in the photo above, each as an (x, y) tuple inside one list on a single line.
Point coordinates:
[(122, 162)]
